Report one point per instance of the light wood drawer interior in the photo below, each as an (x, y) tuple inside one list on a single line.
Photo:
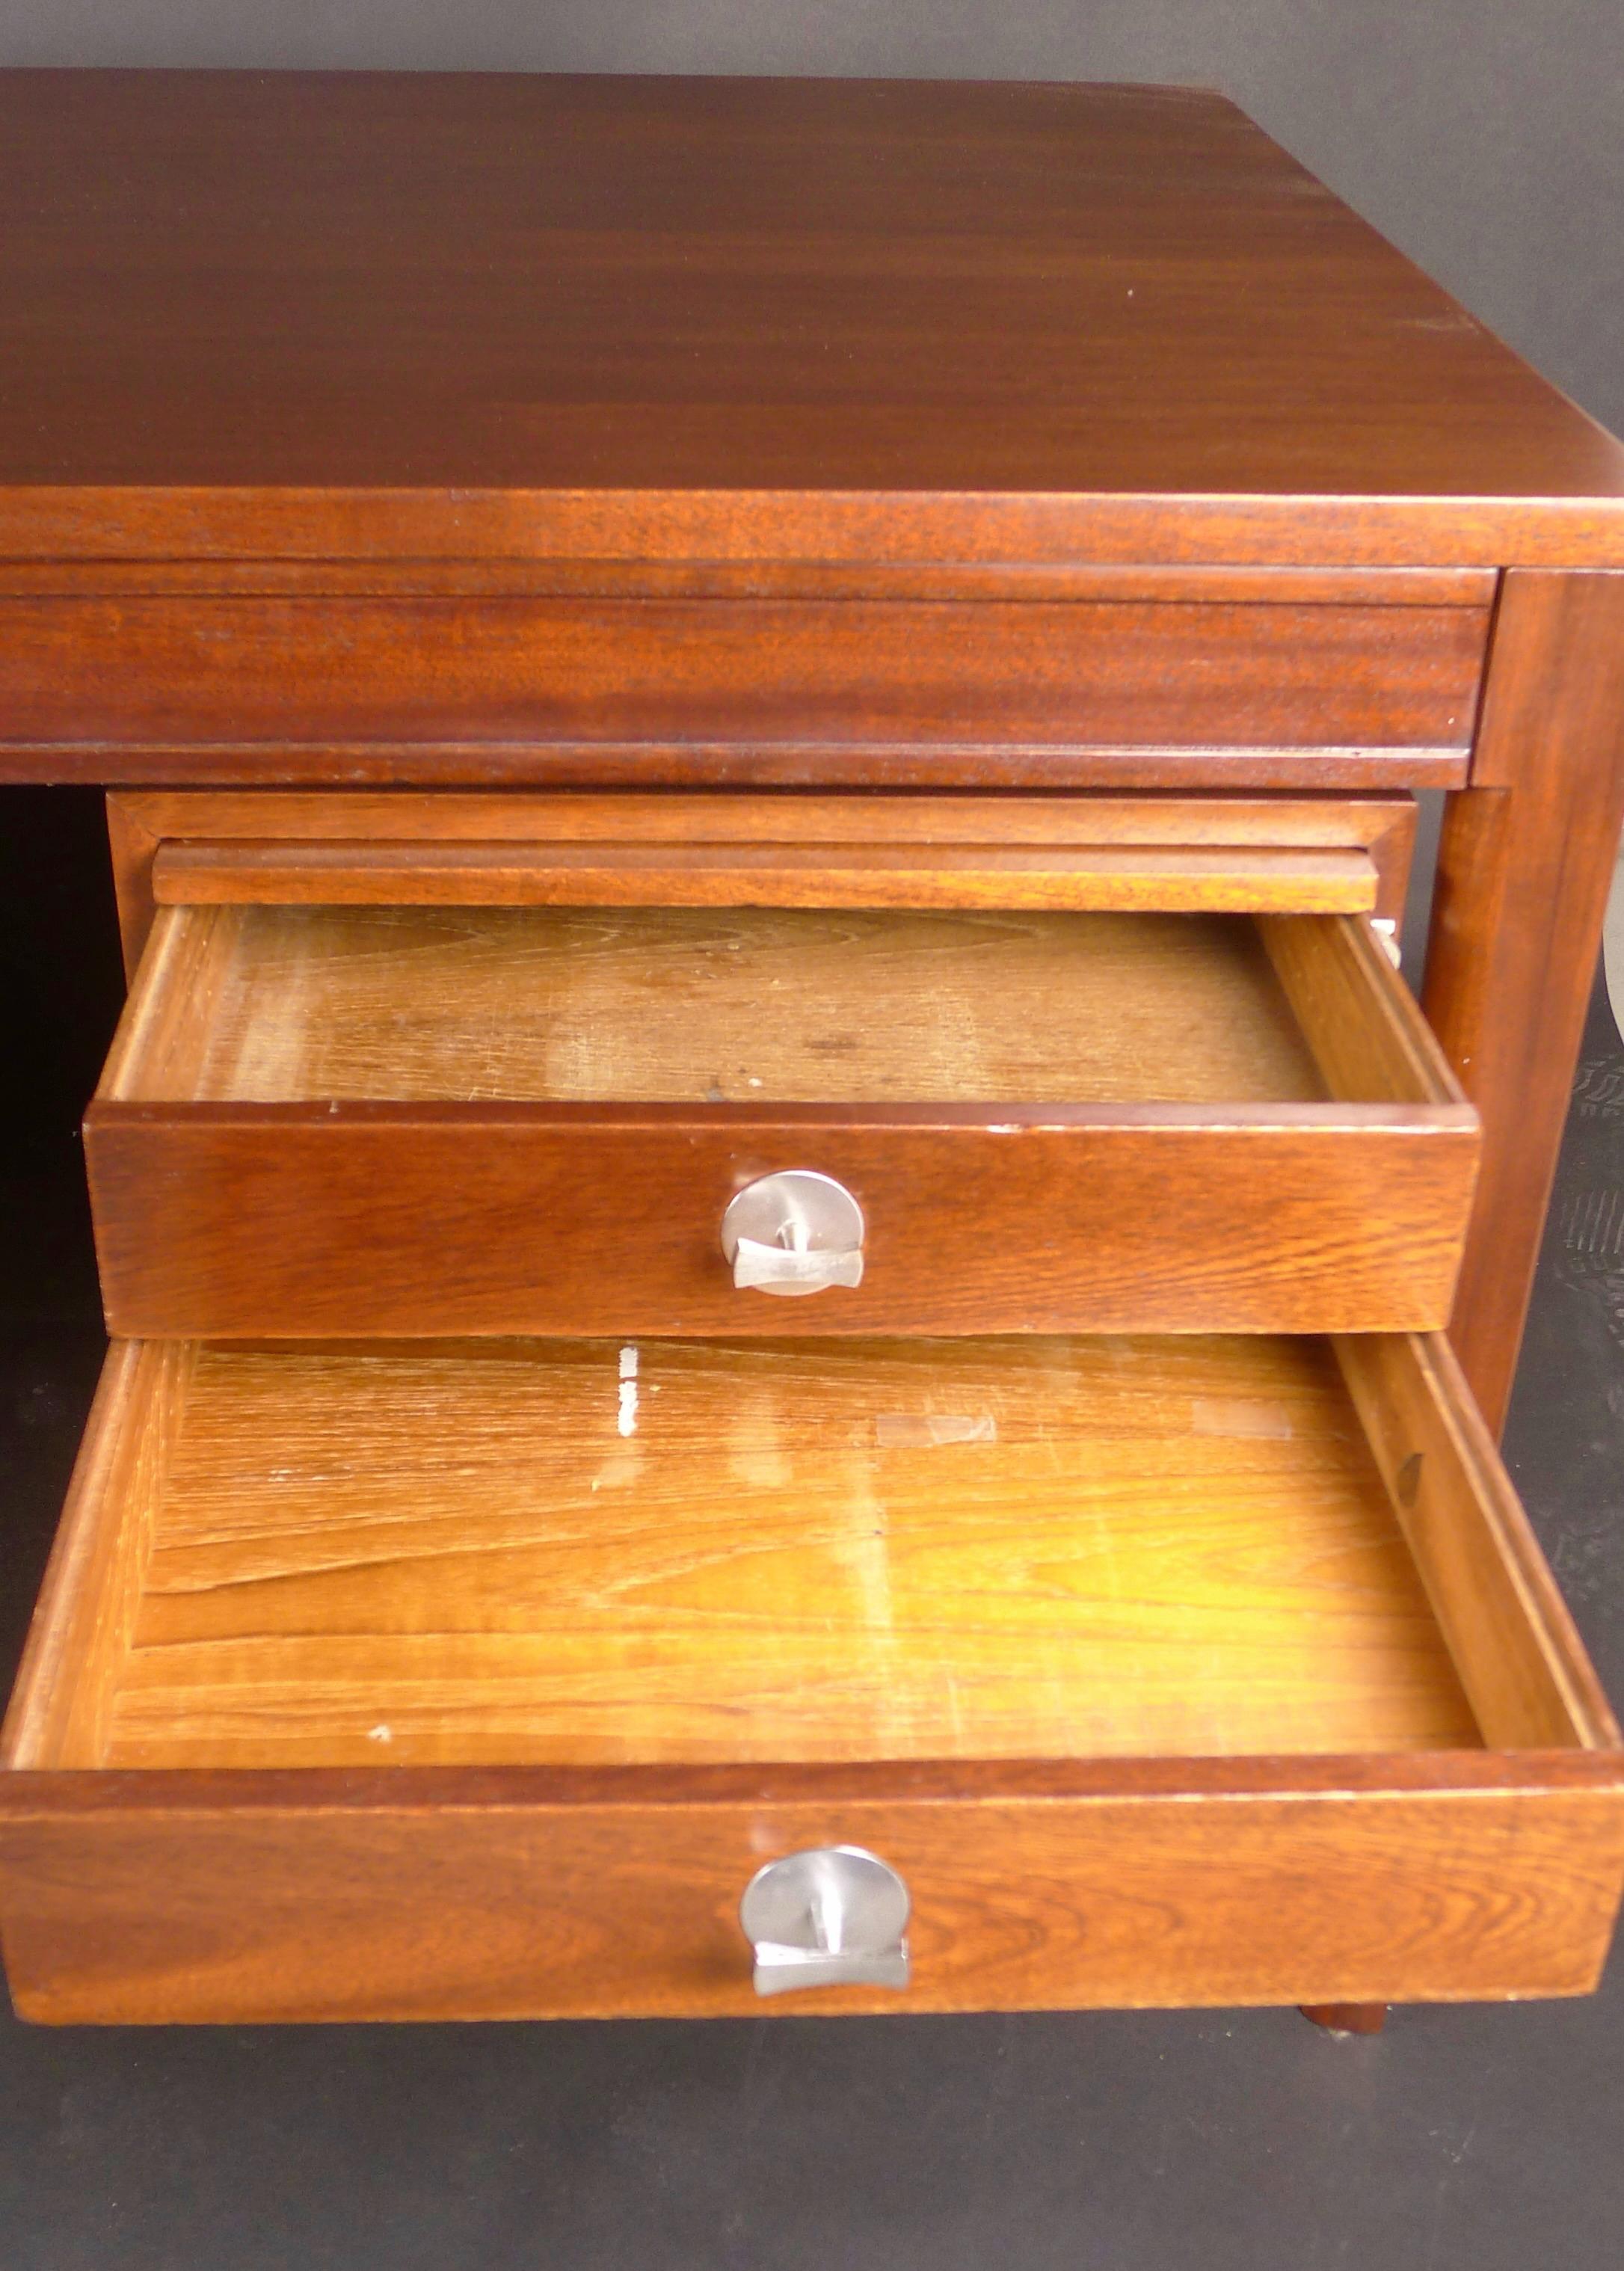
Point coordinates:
[(674, 1551), (284, 1004), (1266, 1610)]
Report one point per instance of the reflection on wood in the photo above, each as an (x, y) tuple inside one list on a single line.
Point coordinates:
[(1057, 1548)]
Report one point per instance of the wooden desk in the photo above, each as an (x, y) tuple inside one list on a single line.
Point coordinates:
[(532, 494)]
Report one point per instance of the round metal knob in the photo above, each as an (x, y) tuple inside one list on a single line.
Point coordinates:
[(796, 1231), (834, 1916)]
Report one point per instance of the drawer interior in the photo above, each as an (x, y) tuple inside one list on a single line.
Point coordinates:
[(276, 1004), (667, 1553)]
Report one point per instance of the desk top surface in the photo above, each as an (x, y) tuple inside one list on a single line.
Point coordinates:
[(354, 313)]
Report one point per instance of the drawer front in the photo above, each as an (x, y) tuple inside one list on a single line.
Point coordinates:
[(500, 1904), (1256, 1131), (393, 1684), (372, 1220), (911, 675)]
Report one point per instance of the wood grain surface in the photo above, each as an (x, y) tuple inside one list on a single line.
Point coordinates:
[(206, 1904), (375, 1498), (1525, 862), (814, 674), (540, 576), (1368, 1038), (596, 1553), (1200, 879), (360, 816), (1495, 1599), (418, 1004), (289, 313), (1017, 1548), (143, 824), (316, 1219), (498, 1119), (747, 767)]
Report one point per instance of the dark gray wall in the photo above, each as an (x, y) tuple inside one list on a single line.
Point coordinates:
[(1485, 137)]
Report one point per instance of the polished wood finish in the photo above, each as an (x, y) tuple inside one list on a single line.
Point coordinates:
[(319, 1577), (808, 676), (131, 849), (328, 829), (1368, 1039), (1525, 866), (283, 313), (99, 1563), (521, 766), (318, 1220), (1140, 582), (1382, 826), (1207, 878), (413, 1120), (514, 1893), (929, 1549), (1511, 1636)]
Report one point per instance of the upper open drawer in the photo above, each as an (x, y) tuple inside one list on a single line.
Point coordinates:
[(426, 1119)]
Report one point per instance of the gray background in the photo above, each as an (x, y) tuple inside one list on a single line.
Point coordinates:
[(1485, 137)]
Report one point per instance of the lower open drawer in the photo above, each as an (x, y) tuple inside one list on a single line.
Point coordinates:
[(478, 1680)]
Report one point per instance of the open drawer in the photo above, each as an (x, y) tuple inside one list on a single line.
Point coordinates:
[(428, 1681), (424, 1119)]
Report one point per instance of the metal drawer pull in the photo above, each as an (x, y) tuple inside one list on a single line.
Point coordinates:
[(832, 1917), (797, 1231)]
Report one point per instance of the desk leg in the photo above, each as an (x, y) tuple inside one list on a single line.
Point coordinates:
[(1346, 2018), (1524, 867)]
